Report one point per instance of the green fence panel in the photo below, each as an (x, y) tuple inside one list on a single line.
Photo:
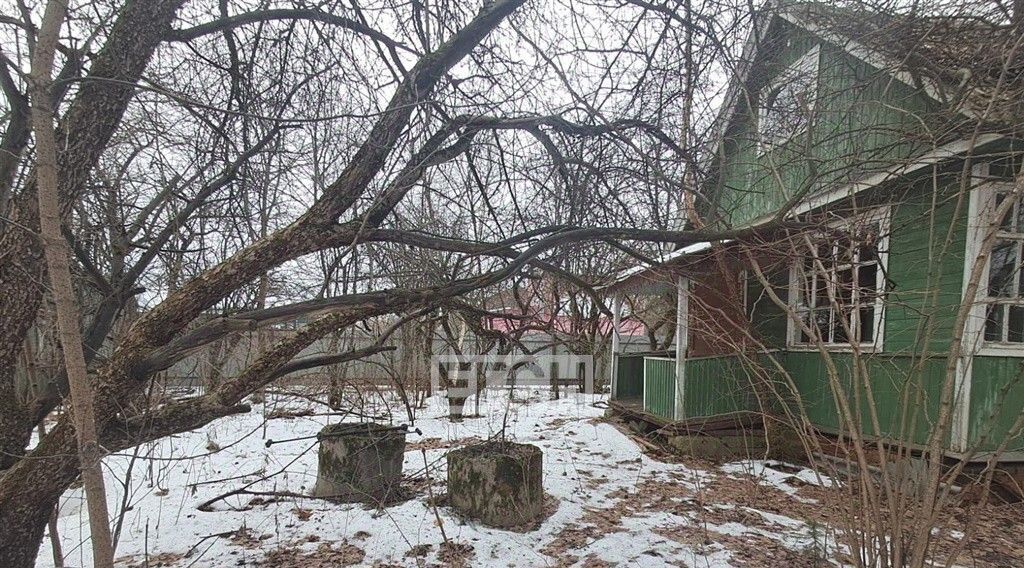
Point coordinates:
[(630, 381), (718, 385), (660, 387)]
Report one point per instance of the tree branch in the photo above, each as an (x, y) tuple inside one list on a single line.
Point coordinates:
[(231, 22)]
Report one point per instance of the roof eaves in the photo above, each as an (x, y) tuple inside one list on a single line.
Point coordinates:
[(937, 156), (739, 80), (875, 58), (628, 276)]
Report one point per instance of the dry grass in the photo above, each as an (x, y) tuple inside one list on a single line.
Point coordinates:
[(325, 556)]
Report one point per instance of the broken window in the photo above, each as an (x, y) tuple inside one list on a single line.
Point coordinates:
[(838, 284), (1004, 318)]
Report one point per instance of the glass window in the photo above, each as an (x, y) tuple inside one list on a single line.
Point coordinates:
[(839, 286), (785, 105), (1004, 316)]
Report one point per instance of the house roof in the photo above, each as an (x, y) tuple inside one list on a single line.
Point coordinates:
[(655, 278), (958, 60), (954, 60)]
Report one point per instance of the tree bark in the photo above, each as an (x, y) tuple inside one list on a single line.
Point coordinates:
[(59, 269), (85, 131), (55, 547)]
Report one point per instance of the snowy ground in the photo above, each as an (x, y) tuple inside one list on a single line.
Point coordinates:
[(615, 505)]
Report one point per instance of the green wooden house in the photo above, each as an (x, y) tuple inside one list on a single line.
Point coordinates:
[(870, 154)]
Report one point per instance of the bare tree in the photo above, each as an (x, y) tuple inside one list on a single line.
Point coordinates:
[(448, 167)]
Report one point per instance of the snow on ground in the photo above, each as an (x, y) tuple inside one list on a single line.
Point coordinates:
[(614, 504), (778, 478)]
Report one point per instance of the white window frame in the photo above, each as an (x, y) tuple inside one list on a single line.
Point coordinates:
[(984, 205), (808, 63), (882, 216)]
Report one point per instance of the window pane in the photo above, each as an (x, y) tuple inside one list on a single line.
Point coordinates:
[(825, 253), (1018, 215), (782, 116), (844, 252), (994, 323), (847, 270), (867, 324), (803, 284), (822, 322), (1015, 333), (867, 281), (1020, 276), (868, 253), (784, 107), (806, 318), (821, 292), (844, 286), (867, 233), (838, 331), (1002, 269)]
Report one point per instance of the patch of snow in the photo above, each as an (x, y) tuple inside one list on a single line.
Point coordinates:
[(766, 471), (588, 464)]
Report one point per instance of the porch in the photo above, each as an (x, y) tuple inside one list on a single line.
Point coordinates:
[(700, 390), (693, 380)]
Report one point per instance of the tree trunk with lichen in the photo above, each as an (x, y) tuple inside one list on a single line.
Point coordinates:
[(84, 132)]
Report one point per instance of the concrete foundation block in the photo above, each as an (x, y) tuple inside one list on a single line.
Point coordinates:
[(360, 462), (498, 483)]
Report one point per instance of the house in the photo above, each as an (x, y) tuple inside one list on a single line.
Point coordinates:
[(866, 156)]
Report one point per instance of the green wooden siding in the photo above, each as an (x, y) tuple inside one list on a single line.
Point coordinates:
[(924, 276), (925, 273), (660, 387), (630, 381), (904, 389), (997, 401), (717, 385), (863, 121)]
